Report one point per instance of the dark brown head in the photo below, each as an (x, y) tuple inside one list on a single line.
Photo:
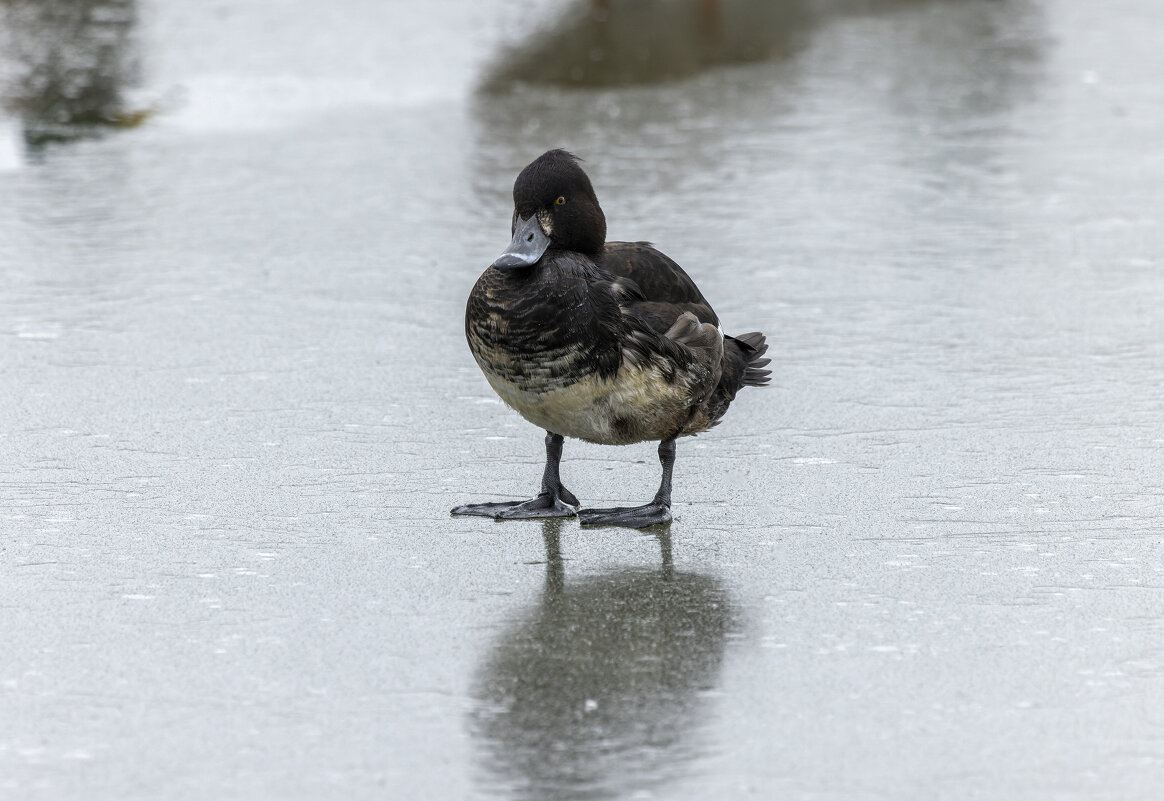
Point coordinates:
[(554, 205)]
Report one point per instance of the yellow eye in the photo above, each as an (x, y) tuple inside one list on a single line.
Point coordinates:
[(561, 201)]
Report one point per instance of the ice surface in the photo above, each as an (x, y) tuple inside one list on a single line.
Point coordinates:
[(237, 407)]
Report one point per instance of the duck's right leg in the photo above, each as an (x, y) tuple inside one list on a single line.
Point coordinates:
[(553, 501)]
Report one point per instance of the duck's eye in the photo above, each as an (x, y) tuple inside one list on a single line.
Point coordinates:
[(561, 201)]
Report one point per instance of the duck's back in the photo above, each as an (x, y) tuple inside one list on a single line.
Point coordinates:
[(667, 290)]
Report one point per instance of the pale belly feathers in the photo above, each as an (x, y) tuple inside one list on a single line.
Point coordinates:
[(636, 404)]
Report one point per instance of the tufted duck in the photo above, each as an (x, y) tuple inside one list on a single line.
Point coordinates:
[(609, 342)]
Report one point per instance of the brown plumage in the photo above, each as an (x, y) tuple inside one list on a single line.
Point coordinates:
[(609, 342)]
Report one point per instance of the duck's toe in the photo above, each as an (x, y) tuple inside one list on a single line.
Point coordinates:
[(544, 505), (651, 514), (485, 509), (568, 496)]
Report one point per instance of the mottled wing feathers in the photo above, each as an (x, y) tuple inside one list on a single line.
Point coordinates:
[(705, 341), (669, 318), (669, 337), (659, 279)]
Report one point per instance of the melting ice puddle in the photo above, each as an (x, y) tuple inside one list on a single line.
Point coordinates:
[(229, 102), (37, 332), (11, 149)]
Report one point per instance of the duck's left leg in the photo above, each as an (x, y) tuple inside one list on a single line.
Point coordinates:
[(553, 501), (653, 513)]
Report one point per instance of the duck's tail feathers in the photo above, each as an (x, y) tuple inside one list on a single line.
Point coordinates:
[(754, 347), (742, 366)]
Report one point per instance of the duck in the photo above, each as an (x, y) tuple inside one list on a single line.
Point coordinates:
[(606, 342)]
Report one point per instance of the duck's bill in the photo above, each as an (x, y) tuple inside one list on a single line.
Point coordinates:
[(528, 244)]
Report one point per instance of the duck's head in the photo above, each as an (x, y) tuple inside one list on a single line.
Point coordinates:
[(554, 206)]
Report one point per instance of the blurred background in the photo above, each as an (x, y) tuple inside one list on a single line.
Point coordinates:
[(236, 239)]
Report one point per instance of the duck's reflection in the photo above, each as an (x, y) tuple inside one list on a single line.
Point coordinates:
[(599, 692), (68, 65), (616, 42), (602, 43), (910, 65)]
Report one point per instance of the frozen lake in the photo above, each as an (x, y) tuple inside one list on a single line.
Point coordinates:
[(926, 563)]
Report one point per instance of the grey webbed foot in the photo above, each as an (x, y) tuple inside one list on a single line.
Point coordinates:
[(651, 514), (553, 501), (546, 504)]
